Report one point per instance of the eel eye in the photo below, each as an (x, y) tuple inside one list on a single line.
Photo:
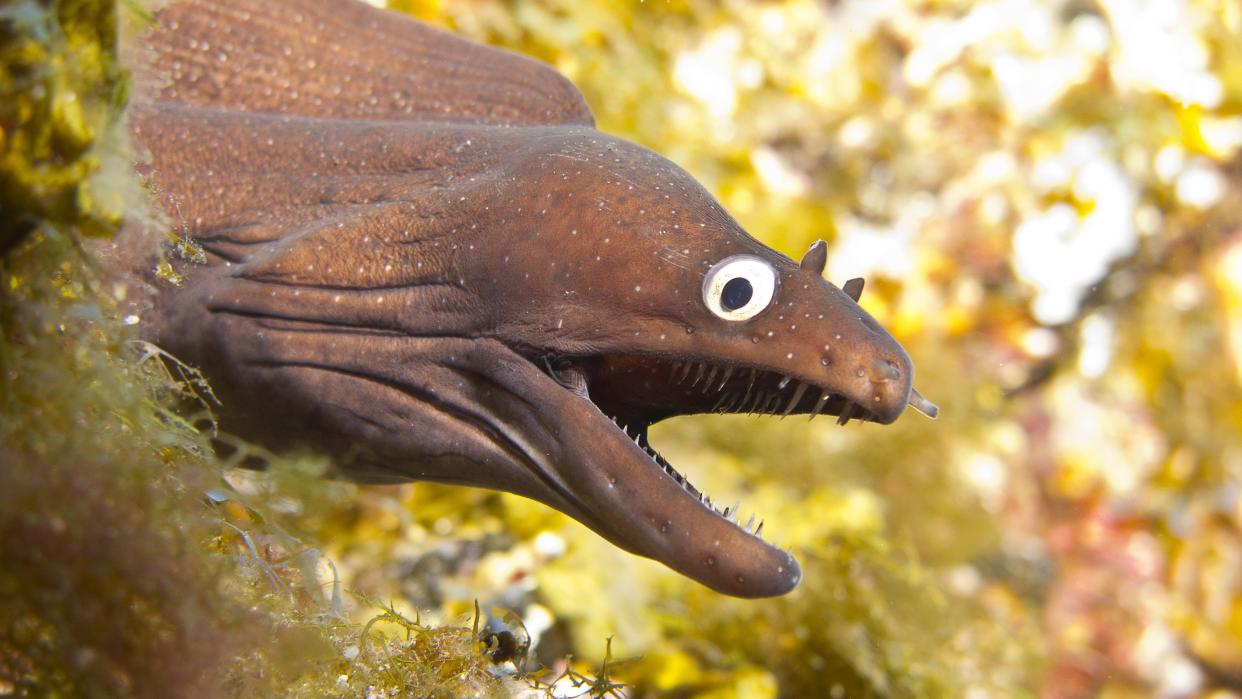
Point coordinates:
[(739, 287)]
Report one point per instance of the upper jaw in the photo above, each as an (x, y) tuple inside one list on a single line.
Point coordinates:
[(649, 388)]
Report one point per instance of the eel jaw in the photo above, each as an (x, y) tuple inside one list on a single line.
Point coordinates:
[(632, 495)]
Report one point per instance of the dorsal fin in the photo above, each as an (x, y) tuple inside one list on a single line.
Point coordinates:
[(345, 59)]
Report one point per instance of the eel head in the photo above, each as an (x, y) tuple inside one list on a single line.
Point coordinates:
[(630, 287)]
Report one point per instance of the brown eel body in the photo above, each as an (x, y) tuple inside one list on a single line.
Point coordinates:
[(425, 261)]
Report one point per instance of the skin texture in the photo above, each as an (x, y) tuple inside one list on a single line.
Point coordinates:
[(423, 260)]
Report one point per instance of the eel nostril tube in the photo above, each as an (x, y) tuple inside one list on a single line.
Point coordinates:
[(921, 404)]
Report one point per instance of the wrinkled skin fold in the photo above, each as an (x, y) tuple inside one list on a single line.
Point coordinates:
[(424, 260)]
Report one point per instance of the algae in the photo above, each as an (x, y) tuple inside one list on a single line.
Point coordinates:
[(61, 93)]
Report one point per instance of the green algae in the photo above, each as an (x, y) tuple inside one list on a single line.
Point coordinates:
[(130, 566), (60, 96)]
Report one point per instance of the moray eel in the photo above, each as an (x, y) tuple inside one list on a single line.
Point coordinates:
[(424, 260)]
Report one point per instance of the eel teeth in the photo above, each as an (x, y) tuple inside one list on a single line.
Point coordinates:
[(702, 368), (924, 406), (711, 375), (715, 379), (819, 407), (795, 399), (846, 414), (685, 372), (745, 396)]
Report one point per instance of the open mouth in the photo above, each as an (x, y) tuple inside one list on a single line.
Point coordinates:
[(633, 392)]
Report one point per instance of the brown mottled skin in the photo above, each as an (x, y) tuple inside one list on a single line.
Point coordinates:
[(425, 261)]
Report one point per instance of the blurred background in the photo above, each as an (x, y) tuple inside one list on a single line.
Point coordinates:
[(1046, 201)]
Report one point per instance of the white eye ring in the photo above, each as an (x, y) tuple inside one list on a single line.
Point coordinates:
[(739, 287)]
